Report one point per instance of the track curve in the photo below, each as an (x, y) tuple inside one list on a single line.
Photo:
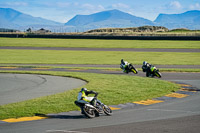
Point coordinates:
[(20, 87)]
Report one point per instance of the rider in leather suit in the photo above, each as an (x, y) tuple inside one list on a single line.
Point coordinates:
[(124, 66), (146, 67), (83, 95)]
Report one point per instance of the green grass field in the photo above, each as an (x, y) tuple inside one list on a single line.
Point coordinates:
[(92, 43)]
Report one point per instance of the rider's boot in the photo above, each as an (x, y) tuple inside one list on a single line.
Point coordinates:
[(82, 112)]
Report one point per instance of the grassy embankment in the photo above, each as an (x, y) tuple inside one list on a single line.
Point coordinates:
[(123, 32)]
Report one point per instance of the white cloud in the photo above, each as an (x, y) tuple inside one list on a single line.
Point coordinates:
[(75, 3), (120, 6), (89, 8), (63, 4), (100, 7), (175, 5), (195, 6), (92, 7), (16, 3), (123, 7)]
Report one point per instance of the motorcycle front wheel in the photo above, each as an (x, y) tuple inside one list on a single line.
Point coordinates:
[(89, 112), (107, 110), (134, 70), (158, 74)]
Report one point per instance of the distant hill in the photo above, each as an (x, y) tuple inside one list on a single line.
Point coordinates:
[(10, 18), (129, 30), (111, 18), (189, 19)]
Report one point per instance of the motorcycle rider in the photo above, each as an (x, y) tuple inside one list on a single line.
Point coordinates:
[(124, 66), (83, 95), (146, 67)]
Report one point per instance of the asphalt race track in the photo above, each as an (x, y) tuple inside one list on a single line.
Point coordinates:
[(20, 87), (174, 115)]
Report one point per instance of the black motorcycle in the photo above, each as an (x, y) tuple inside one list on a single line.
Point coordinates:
[(151, 71), (155, 72), (91, 111)]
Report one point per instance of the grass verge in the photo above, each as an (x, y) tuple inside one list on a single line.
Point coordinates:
[(96, 57), (113, 89), (95, 43)]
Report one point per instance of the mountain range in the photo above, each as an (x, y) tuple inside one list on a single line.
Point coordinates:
[(10, 18), (189, 19)]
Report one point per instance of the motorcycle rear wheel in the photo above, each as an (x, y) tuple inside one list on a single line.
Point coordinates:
[(89, 112)]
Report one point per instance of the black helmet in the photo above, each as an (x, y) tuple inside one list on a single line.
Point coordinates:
[(84, 89), (122, 61), (145, 63)]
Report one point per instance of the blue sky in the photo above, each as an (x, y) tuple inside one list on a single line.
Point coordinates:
[(63, 10)]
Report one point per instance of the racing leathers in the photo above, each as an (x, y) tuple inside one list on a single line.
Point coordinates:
[(124, 66), (83, 95), (147, 68)]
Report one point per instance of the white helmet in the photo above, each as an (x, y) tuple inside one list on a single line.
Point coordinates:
[(84, 89)]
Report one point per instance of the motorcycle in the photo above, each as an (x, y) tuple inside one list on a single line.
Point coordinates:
[(130, 68), (91, 111), (155, 72)]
